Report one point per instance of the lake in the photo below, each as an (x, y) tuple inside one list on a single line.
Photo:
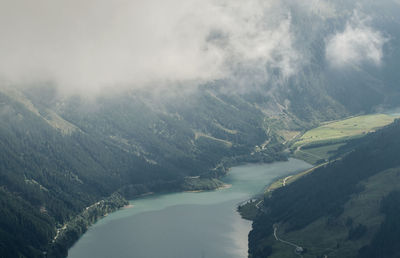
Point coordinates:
[(184, 225)]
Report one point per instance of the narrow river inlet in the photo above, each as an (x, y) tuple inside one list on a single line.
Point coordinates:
[(184, 225)]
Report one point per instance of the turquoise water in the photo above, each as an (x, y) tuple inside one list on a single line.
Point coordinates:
[(184, 225)]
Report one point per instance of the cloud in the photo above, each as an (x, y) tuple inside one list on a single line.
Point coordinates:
[(358, 43), (319, 8), (94, 44)]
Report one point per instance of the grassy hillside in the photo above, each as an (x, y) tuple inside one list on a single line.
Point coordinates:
[(318, 145), (344, 129), (344, 235), (336, 210)]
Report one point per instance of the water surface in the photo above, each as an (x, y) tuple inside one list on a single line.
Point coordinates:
[(184, 225)]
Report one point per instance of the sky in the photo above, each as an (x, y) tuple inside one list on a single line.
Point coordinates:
[(91, 45)]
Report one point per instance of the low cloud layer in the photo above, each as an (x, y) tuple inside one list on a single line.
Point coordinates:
[(88, 45), (357, 44)]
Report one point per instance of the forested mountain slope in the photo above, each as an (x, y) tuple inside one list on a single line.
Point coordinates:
[(60, 155), (339, 208)]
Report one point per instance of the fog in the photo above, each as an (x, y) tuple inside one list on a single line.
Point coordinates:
[(358, 43), (87, 46)]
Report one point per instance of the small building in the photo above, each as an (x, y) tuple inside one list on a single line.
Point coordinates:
[(299, 250)]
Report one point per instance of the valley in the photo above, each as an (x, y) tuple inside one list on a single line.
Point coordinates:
[(87, 246), (153, 105)]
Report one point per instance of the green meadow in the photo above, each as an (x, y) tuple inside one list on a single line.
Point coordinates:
[(318, 145), (344, 129)]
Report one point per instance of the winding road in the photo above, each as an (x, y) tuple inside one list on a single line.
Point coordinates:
[(298, 249)]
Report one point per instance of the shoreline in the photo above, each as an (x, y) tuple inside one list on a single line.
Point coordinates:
[(220, 187), (128, 206), (224, 186)]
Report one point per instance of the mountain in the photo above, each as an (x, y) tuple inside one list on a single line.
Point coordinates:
[(66, 160), (343, 209), (59, 157)]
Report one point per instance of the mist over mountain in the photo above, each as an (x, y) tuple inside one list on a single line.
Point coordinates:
[(95, 45), (105, 101)]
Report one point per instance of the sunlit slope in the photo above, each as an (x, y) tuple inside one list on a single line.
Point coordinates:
[(320, 144), (347, 208), (345, 129)]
